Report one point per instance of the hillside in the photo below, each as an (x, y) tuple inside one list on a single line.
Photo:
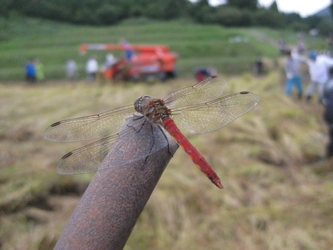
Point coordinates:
[(197, 45), (273, 197), (326, 12)]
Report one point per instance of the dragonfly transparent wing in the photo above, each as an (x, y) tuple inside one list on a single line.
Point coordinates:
[(110, 122), (137, 140), (87, 158), (212, 115), (88, 127), (204, 91)]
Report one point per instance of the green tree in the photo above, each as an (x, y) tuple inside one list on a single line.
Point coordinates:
[(85, 16), (274, 7), (325, 27), (312, 21), (174, 9), (292, 17), (230, 16), (269, 18), (244, 4), (166, 9), (202, 3), (108, 14), (6, 6), (206, 14)]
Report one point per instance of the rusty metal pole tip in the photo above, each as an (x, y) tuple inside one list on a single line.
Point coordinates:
[(113, 201)]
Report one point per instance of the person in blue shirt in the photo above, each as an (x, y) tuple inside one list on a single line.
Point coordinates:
[(129, 52), (30, 72)]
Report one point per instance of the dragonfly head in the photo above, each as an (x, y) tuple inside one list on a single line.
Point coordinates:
[(138, 104)]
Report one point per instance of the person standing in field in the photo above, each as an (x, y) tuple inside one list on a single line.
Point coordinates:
[(129, 52), (39, 70), (300, 46), (71, 69), (92, 68), (319, 72), (292, 69), (259, 66), (327, 99), (282, 46), (30, 72)]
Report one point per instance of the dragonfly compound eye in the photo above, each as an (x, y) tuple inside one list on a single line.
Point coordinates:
[(138, 104)]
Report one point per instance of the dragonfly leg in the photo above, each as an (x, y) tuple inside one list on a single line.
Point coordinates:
[(166, 138)]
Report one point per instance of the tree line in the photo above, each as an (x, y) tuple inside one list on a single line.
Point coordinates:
[(235, 13)]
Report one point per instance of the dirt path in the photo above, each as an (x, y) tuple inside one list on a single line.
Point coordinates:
[(264, 38), (267, 39)]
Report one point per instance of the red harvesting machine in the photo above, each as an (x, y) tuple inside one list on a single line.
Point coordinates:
[(148, 62)]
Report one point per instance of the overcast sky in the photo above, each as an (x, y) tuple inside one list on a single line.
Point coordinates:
[(303, 7)]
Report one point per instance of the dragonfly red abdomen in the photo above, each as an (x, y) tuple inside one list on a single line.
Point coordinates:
[(196, 157)]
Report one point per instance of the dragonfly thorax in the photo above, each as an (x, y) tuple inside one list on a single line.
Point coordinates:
[(154, 109)]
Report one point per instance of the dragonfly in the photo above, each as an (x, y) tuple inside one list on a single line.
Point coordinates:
[(195, 109)]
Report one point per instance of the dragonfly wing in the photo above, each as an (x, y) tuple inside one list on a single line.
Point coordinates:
[(87, 158), (88, 127), (214, 114), (137, 139), (204, 91)]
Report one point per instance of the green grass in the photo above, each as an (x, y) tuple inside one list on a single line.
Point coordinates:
[(54, 43)]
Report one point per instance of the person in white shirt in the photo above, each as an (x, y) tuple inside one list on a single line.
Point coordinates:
[(319, 66), (92, 68), (71, 69)]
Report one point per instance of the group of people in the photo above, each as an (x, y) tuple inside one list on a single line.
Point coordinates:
[(92, 66), (318, 65), (321, 73), (34, 71)]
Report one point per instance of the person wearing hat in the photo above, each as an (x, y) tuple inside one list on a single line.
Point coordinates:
[(319, 66)]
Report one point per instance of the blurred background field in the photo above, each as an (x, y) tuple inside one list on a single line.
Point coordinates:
[(54, 43), (278, 193)]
